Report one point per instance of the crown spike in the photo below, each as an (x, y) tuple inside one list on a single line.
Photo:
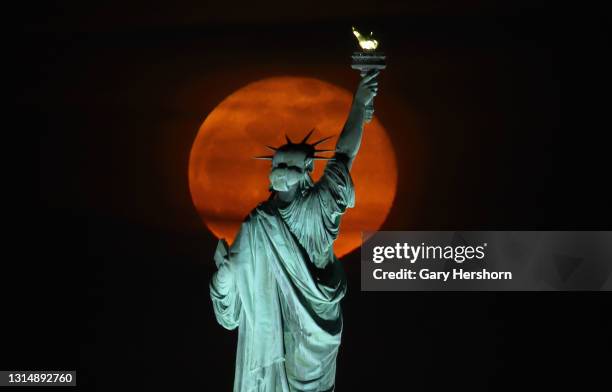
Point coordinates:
[(288, 140), (264, 157), (322, 140), (272, 148), (307, 136)]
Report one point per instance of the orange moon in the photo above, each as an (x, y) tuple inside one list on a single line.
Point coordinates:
[(226, 183)]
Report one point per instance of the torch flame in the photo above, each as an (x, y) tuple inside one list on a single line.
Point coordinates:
[(366, 43)]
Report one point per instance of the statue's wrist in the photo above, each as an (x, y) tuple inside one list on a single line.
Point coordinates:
[(359, 104)]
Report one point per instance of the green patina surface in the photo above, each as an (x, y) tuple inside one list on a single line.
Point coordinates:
[(281, 285)]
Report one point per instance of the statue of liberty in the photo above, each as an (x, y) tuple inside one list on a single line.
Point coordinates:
[(280, 283)]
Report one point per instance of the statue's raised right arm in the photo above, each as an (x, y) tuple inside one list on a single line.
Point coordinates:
[(361, 111)]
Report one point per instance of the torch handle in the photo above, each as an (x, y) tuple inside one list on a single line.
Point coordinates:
[(370, 105)]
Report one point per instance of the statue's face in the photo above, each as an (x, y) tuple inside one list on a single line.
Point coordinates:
[(287, 169)]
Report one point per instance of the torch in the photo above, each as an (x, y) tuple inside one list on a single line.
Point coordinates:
[(367, 58)]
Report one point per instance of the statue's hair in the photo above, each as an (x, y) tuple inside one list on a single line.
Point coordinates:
[(304, 185)]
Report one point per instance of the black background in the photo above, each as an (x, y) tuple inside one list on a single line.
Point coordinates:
[(508, 103)]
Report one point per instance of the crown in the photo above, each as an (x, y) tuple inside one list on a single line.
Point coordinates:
[(307, 148)]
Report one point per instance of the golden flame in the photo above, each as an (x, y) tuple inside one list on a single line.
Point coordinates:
[(366, 43)]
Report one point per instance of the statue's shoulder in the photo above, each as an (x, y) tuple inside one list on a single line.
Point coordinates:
[(264, 208)]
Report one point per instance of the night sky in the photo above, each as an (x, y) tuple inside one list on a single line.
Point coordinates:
[(497, 114)]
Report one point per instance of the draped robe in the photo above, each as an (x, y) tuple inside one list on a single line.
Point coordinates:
[(282, 285)]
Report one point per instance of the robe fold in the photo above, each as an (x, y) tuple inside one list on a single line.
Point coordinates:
[(281, 287)]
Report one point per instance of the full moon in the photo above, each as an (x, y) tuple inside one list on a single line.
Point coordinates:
[(226, 183)]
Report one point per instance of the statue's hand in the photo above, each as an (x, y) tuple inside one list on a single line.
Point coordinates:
[(221, 253), (367, 89), (223, 279)]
